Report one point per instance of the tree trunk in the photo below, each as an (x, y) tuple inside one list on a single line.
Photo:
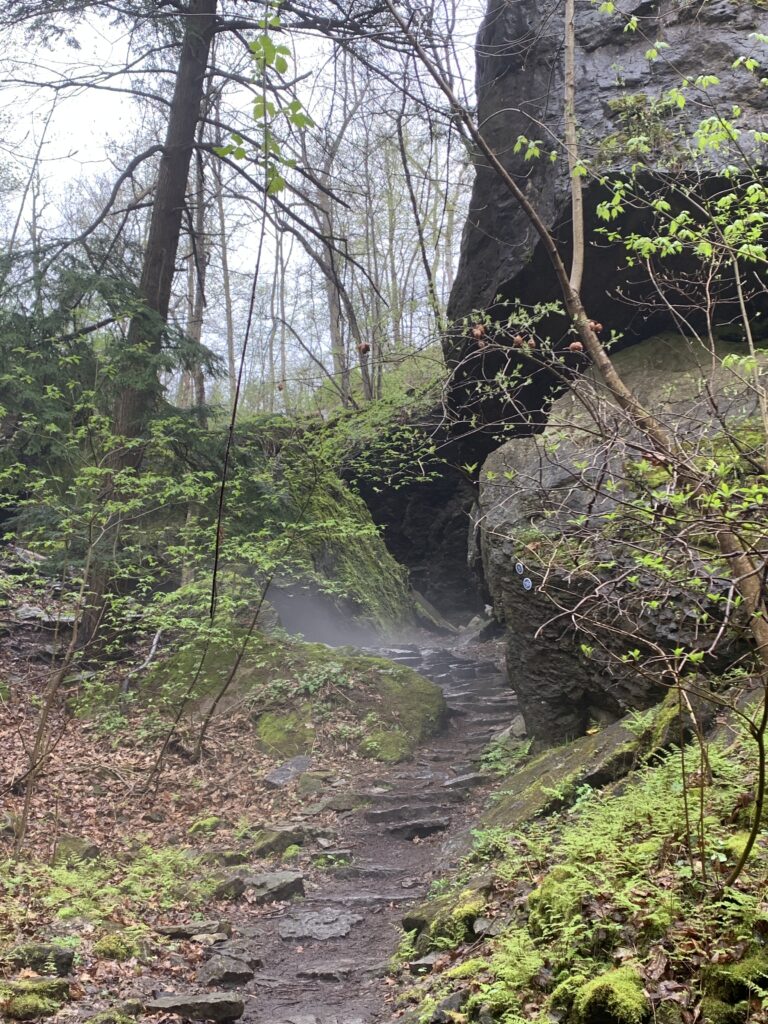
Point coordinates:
[(137, 397)]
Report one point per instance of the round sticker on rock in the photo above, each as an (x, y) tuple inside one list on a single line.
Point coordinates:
[(519, 568), (527, 583)]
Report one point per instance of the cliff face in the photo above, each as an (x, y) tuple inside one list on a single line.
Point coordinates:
[(520, 90)]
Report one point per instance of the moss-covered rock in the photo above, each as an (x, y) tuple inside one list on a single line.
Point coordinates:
[(277, 840), (32, 998), (447, 920), (205, 825), (716, 1011), (110, 1017), (74, 850), (116, 946), (42, 957), (387, 746), (552, 779), (336, 687), (285, 735), (616, 997), (736, 981)]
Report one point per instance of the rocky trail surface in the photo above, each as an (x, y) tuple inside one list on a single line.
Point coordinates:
[(320, 956)]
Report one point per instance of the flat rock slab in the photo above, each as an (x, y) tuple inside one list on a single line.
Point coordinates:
[(239, 949), (216, 1006), (190, 929), (335, 971), (269, 887), (407, 812), (467, 781), (418, 829), (224, 970), (318, 924), (285, 773)]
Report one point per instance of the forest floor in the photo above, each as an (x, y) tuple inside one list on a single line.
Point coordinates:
[(354, 843)]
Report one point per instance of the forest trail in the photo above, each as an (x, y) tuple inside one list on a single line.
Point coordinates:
[(416, 823)]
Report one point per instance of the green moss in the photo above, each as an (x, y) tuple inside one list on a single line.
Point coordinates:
[(732, 982), (110, 1017), (615, 997), (715, 1011), (558, 900), (30, 1007), (735, 845), (116, 946), (291, 852), (516, 960), (204, 825), (566, 991), (467, 969), (285, 735), (32, 998), (389, 747)]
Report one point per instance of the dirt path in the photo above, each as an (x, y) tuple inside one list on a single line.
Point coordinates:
[(416, 823)]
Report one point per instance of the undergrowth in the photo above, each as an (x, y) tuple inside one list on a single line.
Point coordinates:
[(121, 889), (605, 911)]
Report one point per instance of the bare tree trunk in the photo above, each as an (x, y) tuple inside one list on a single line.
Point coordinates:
[(226, 282), (136, 398)]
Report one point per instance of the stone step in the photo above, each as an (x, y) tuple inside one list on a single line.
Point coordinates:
[(406, 812), (468, 781), (418, 829)]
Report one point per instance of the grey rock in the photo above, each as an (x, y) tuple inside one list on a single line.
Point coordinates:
[(318, 924), (215, 1006), (262, 888), (467, 781), (42, 957), (444, 1012), (241, 950), (130, 1007), (425, 964), (277, 838), (418, 829), (188, 929), (209, 938), (519, 70), (537, 480), (224, 970), (282, 776), (334, 971)]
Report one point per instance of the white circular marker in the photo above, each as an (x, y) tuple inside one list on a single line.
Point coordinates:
[(527, 583)]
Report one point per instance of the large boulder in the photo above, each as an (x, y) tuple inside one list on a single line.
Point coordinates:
[(520, 62), (533, 491)]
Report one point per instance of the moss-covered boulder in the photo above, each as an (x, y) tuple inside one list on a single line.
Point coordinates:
[(32, 998), (286, 734), (41, 957), (447, 920), (74, 850), (552, 779), (119, 946), (716, 1011), (276, 840), (732, 982), (616, 997), (386, 746), (309, 695)]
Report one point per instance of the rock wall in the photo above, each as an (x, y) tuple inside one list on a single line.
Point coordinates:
[(520, 89), (531, 491)]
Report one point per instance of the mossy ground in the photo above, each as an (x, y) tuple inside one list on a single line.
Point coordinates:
[(307, 696), (602, 904)]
